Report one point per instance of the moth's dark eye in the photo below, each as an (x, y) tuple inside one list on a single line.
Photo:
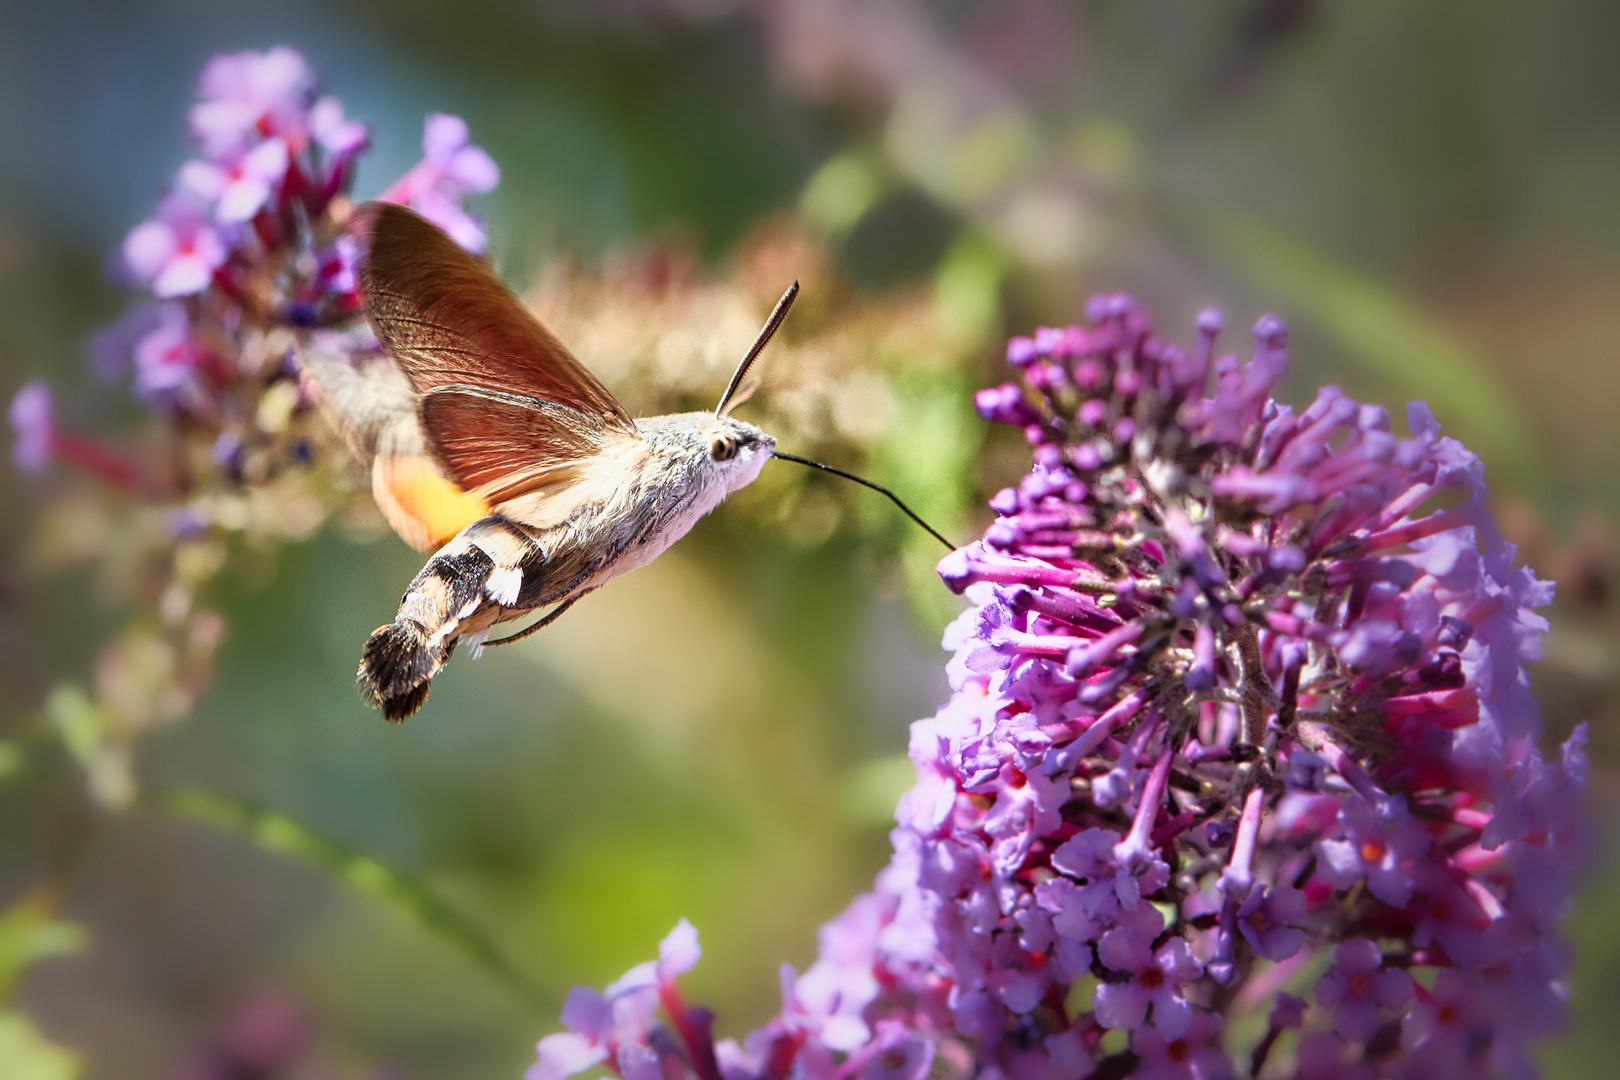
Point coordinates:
[(723, 448)]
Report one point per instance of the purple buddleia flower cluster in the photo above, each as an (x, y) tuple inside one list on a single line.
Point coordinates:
[(1240, 729), (246, 259), (245, 249)]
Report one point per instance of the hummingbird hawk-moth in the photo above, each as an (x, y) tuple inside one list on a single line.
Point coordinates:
[(491, 444)]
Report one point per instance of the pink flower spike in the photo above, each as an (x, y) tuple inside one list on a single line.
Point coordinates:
[(32, 416)]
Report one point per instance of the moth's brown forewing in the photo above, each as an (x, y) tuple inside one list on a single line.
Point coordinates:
[(501, 400)]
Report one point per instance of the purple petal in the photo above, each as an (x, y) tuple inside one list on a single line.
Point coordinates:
[(1356, 1020), (1341, 864), (31, 418), (1275, 945), (148, 249), (1289, 1011), (1024, 991), (679, 952), (638, 1062), (563, 1055), (1176, 961), (267, 160), (1359, 955), (1120, 1005), (339, 136), (203, 179), (442, 136), (242, 199), (1123, 949), (1066, 1056), (474, 170), (643, 976), (1393, 886), (585, 1012), (448, 215), (183, 277), (1392, 989), (845, 1033), (1171, 1013)]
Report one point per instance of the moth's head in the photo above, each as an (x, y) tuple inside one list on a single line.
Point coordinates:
[(722, 447)]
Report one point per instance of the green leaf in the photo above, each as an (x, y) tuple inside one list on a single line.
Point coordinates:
[(1391, 337), (12, 759), (841, 192), (362, 873), (927, 458), (25, 1054), (86, 730), (29, 932), (967, 284)]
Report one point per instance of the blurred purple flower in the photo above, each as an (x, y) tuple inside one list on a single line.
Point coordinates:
[(261, 1037), (240, 186), (451, 169), (32, 416), (166, 356), (248, 96), (177, 252), (337, 135)]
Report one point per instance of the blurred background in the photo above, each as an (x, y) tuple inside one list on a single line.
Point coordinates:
[(1424, 192)]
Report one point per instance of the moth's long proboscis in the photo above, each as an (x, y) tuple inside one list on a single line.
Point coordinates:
[(778, 313), (875, 487)]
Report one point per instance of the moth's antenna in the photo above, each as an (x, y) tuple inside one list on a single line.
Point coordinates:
[(875, 487), (778, 313)]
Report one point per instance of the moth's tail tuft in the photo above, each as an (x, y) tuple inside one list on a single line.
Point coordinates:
[(396, 669), (396, 709)]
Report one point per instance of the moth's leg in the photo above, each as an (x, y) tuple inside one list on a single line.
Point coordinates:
[(552, 616)]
